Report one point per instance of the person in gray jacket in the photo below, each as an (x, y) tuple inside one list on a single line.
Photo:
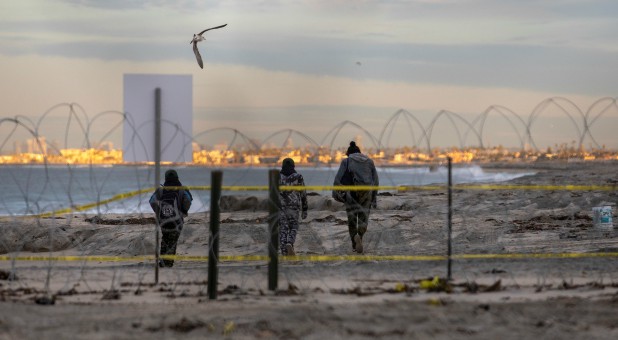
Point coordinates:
[(357, 169)]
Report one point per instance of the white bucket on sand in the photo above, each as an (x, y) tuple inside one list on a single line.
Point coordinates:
[(602, 217)]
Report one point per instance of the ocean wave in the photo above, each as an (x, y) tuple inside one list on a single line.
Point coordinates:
[(79, 187)]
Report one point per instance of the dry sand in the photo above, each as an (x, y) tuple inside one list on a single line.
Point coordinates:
[(347, 297)]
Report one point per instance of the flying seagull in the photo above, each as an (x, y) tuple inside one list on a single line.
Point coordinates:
[(197, 38)]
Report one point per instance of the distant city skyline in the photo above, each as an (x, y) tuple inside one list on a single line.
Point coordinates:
[(310, 65), (38, 152)]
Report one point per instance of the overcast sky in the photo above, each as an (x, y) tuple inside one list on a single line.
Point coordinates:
[(309, 65)]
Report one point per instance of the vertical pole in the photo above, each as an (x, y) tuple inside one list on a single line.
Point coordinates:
[(450, 214), (213, 242), (273, 222), (157, 155)]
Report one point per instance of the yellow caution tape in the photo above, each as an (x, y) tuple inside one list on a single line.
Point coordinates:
[(327, 258), (431, 284), (535, 255), (93, 205), (77, 258), (307, 258)]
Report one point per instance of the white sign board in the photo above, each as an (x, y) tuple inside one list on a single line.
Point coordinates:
[(138, 142)]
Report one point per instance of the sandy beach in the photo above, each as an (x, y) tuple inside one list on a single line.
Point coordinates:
[(528, 262)]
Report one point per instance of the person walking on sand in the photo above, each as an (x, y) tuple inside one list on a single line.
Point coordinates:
[(171, 205), (293, 203), (357, 169)]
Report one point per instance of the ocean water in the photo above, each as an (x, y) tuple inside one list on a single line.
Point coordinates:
[(36, 189)]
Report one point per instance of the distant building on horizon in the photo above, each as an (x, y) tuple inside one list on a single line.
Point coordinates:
[(138, 142)]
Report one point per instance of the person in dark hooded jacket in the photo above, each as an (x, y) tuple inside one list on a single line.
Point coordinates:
[(293, 203), (357, 169), (171, 205)]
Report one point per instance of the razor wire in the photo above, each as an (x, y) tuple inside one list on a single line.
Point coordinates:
[(378, 230), (47, 190)]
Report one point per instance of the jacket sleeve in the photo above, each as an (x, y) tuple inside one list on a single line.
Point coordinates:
[(339, 195), (303, 195)]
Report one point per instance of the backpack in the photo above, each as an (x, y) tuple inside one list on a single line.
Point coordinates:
[(169, 207), (357, 178)]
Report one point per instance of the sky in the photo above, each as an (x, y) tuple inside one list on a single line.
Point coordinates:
[(309, 65)]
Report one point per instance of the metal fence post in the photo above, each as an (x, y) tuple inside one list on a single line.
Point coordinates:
[(213, 252), (157, 160), (450, 215), (273, 223)]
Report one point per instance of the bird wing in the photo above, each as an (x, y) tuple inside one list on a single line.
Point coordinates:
[(212, 28), (198, 56)]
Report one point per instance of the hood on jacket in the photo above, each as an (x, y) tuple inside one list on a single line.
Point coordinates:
[(359, 157)]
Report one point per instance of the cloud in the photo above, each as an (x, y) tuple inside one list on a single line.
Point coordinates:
[(254, 100), (412, 54), (543, 68), (184, 5), (468, 43)]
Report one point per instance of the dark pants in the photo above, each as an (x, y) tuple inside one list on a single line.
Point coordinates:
[(357, 207), (288, 227), (169, 240)]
